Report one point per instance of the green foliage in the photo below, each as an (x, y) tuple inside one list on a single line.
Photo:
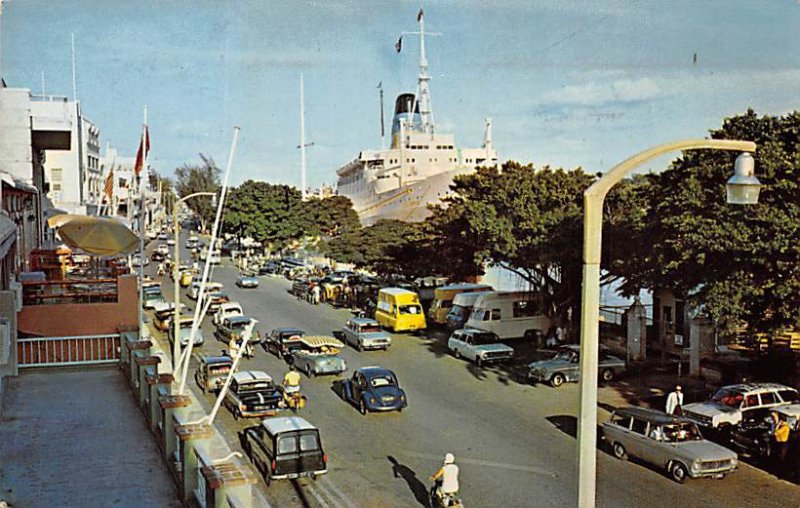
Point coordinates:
[(329, 217), (191, 178), (741, 263), (268, 213)]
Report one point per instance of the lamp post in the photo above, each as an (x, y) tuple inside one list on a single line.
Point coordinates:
[(176, 321), (743, 188)]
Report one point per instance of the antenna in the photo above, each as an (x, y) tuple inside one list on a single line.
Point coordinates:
[(383, 129), (74, 79)]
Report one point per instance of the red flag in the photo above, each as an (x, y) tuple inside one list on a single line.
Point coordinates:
[(399, 44), (419, 16), (137, 168), (109, 188)]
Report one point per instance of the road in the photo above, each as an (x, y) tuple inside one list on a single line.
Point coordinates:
[(514, 442)]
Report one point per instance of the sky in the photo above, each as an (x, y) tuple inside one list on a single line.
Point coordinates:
[(567, 84)]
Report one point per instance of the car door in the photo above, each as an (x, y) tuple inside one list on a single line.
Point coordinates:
[(469, 347), (573, 371), (636, 437), (458, 343), (355, 387), (350, 333), (654, 451), (287, 453)]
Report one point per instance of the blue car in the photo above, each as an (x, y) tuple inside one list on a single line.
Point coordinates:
[(374, 389)]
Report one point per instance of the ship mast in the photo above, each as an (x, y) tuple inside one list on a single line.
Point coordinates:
[(302, 146), (423, 95)]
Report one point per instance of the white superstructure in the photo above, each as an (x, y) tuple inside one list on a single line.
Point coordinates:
[(418, 169)]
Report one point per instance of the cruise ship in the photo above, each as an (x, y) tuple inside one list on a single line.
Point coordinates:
[(418, 168)]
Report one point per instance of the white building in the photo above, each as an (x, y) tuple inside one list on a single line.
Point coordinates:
[(74, 178), (123, 178)]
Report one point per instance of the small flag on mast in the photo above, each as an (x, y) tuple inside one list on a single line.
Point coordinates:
[(419, 16), (109, 188), (137, 168), (399, 44)]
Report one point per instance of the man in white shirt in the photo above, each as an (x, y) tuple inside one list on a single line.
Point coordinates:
[(675, 402), (448, 476)]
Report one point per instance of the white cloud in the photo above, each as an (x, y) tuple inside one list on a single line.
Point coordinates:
[(597, 94)]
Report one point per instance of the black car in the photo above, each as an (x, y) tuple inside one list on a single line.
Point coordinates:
[(753, 435), (269, 268), (282, 341), (285, 447), (374, 389), (157, 256)]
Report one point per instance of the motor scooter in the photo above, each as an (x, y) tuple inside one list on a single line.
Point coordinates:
[(441, 500), (293, 400)]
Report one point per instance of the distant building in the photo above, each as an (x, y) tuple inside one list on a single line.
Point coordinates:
[(123, 178), (30, 125), (74, 177)]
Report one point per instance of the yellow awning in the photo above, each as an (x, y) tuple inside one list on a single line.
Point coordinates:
[(320, 341), (95, 235)]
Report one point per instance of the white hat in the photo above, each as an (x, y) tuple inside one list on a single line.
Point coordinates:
[(449, 458)]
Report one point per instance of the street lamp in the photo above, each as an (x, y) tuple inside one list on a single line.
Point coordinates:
[(176, 321), (743, 188)]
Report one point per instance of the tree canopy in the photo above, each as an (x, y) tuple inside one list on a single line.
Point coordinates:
[(204, 177)]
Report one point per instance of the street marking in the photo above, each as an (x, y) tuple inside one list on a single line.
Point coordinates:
[(318, 496), (486, 463), (347, 501)]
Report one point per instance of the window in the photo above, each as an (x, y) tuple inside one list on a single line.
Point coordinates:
[(309, 442), (751, 401), (287, 444), (639, 426), (789, 396), (495, 315), (526, 308), (55, 174), (768, 398), (56, 187), (622, 421)]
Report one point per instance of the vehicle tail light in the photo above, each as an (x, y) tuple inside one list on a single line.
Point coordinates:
[(325, 458), (274, 465)]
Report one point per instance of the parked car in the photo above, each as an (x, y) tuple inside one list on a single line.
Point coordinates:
[(479, 346), (400, 310), (185, 331), (156, 256), (233, 327), (252, 393), (247, 281), (151, 296), (282, 341), (668, 442), (211, 372), (171, 241), (194, 289), (137, 261), (753, 435), (365, 333), (285, 447), (163, 249), (730, 403), (162, 317), (269, 268), (373, 389), (163, 235), (319, 355), (216, 298), (226, 310), (564, 367)]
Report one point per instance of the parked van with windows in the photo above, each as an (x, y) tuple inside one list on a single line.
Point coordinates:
[(399, 310), (510, 315), (443, 299), (459, 313)]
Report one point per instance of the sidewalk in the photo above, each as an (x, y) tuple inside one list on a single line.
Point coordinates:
[(647, 385), (71, 437)]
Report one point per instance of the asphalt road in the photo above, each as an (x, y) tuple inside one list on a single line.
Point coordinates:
[(514, 442)]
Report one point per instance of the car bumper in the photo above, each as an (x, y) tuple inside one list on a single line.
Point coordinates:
[(712, 473), (304, 474), (387, 407), (497, 359), (376, 345), (538, 376), (328, 369), (261, 413)]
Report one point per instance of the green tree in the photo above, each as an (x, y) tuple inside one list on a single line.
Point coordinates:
[(271, 214), (741, 263), (329, 217), (376, 247), (204, 177)]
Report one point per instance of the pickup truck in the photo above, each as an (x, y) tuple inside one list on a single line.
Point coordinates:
[(252, 393)]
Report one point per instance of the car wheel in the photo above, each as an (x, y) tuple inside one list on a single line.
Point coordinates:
[(456, 354), (557, 380), (237, 414), (678, 472), (620, 452), (607, 375), (360, 347), (362, 407)]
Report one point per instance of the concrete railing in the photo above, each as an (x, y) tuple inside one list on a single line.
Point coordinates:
[(206, 470)]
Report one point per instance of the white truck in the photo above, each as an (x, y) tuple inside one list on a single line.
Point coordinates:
[(510, 315)]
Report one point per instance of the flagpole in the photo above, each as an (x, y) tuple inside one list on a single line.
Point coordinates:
[(141, 223)]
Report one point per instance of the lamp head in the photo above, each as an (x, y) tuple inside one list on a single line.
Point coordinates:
[(743, 187)]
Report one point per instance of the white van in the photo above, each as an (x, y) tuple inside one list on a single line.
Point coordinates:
[(463, 303), (510, 315), (194, 289)]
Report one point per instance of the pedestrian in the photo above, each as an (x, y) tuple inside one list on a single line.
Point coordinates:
[(561, 334), (233, 348), (315, 292), (675, 402), (161, 269), (781, 436)]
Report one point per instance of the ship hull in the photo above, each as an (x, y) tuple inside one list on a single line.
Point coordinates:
[(408, 203)]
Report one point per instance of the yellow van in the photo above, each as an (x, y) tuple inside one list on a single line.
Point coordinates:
[(399, 310), (443, 299), (186, 278)]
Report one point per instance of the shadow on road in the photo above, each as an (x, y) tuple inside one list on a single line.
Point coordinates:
[(417, 487), (569, 425)]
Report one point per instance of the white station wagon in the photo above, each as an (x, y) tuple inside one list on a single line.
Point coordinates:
[(479, 346)]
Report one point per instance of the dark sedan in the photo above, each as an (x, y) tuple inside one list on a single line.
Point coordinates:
[(374, 389), (282, 341)]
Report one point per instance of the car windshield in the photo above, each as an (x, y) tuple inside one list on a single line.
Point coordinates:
[(370, 328), (379, 381), (683, 431), (410, 309), (565, 355), (481, 339), (239, 325), (457, 311), (728, 397)]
